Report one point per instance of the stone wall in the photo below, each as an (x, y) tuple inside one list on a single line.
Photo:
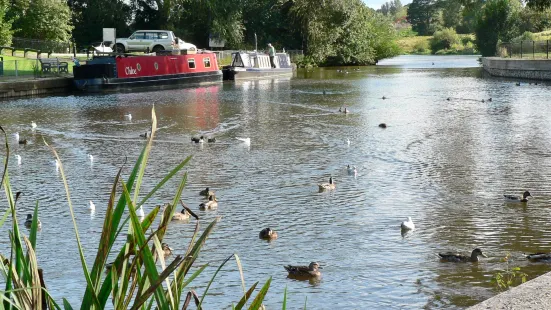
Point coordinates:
[(35, 87), (518, 68)]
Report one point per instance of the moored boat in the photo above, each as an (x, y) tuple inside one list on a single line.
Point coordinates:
[(120, 72), (253, 65)]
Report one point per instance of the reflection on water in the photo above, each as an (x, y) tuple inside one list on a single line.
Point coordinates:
[(445, 163)]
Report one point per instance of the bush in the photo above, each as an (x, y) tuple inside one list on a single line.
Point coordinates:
[(526, 36), (444, 39), (421, 47)]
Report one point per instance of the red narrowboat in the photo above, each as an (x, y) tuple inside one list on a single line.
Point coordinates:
[(121, 72)]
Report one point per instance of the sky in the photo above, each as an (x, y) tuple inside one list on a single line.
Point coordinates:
[(376, 4)]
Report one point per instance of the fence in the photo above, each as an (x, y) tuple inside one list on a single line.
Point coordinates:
[(26, 68), (56, 47), (524, 49)]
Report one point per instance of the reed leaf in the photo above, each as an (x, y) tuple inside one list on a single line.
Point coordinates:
[(36, 292), (34, 227), (257, 302), (212, 279), (66, 305), (284, 307), (245, 297)]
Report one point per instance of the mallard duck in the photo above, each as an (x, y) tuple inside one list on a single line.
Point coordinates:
[(267, 234), (382, 125), (181, 216), (345, 111), (384, 98), (513, 198), (459, 258), (206, 192), (198, 140), (517, 84), (211, 204), (539, 256), (29, 221), (490, 99), (24, 141), (166, 249), (211, 140), (310, 271), (407, 225), (327, 186), (145, 135), (340, 109)]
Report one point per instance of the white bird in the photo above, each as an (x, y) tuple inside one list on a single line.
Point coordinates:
[(18, 159), (16, 135), (57, 164), (92, 206), (91, 157), (128, 116), (33, 125), (348, 142), (408, 225), (246, 140), (140, 212)]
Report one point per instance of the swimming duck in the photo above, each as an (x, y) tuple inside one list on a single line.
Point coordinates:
[(327, 186), (345, 111), (267, 234), (539, 256), (211, 204), (382, 125), (145, 135), (310, 271), (490, 99), (181, 216), (351, 170), (459, 258), (29, 221), (517, 84), (407, 225), (513, 198), (197, 140), (24, 141), (166, 249), (211, 140), (206, 192), (384, 98), (340, 109)]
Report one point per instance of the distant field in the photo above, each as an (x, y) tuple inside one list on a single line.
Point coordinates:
[(415, 45)]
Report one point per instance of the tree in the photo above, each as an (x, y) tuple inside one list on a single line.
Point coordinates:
[(421, 16), (498, 21), (41, 19), (5, 25), (451, 13)]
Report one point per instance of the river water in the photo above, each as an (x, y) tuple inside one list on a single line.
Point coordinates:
[(445, 163)]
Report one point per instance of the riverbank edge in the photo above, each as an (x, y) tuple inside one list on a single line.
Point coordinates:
[(35, 87), (536, 69), (534, 294)]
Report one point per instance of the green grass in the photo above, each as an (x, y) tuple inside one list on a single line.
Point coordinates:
[(140, 278), (25, 66), (418, 45)]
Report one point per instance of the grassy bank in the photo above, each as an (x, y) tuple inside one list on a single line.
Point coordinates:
[(426, 45)]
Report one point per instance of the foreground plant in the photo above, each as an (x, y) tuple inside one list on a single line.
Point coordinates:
[(510, 277), (133, 281)]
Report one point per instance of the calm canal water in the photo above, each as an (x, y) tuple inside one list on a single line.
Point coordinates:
[(444, 163)]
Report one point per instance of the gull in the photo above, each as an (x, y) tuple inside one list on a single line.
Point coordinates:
[(246, 140), (407, 225), (57, 164), (33, 125), (140, 212), (348, 142), (92, 206), (18, 159), (91, 157), (16, 135), (128, 116)]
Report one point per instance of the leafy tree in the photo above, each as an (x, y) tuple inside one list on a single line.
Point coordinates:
[(421, 15), (498, 21), (41, 19), (443, 39), (91, 16), (5, 25), (451, 13)]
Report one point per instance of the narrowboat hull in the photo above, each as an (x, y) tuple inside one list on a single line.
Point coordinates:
[(237, 73), (120, 73)]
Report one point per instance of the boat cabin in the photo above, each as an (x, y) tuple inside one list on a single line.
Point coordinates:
[(259, 60)]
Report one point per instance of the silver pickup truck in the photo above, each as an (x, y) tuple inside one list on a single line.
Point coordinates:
[(153, 41)]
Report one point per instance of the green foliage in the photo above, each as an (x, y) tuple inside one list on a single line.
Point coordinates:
[(422, 16), (509, 277), (42, 19), (5, 24), (526, 36), (444, 39), (498, 21)]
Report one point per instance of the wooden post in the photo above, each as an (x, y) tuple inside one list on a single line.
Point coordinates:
[(533, 49), (547, 48), (521, 49), (43, 285)]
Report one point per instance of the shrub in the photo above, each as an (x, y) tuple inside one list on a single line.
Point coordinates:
[(421, 46), (444, 39), (526, 36)]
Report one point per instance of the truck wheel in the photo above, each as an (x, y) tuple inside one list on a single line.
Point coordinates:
[(157, 48), (119, 48)]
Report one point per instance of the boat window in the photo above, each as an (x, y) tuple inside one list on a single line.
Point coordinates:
[(163, 35), (191, 63), (206, 62)]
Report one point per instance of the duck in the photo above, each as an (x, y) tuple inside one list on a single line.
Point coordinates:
[(538, 256), (33, 125), (483, 101), (345, 111), (382, 125), (340, 109), (459, 258), (181, 216), (211, 140), (517, 84), (24, 141), (310, 271), (145, 135), (91, 206), (18, 159), (407, 225), (128, 116), (198, 140), (166, 249), (206, 192), (211, 204), (29, 221), (327, 186), (384, 98), (513, 198), (351, 170), (490, 99), (267, 234), (324, 92)]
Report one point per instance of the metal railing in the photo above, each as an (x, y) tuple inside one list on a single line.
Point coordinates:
[(225, 56), (26, 68), (56, 47), (524, 49)]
